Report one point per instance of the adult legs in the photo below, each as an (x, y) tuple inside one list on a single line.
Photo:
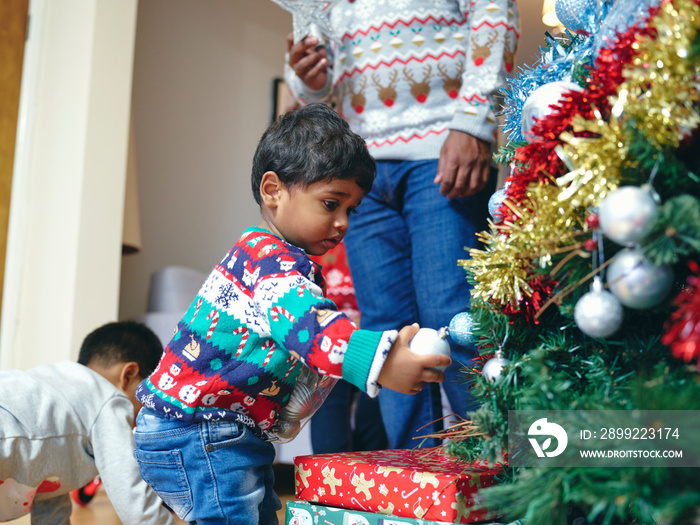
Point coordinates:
[(369, 431), (403, 247), (332, 424), (441, 231)]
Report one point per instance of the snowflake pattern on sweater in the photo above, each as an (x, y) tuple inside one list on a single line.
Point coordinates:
[(258, 318), (405, 72)]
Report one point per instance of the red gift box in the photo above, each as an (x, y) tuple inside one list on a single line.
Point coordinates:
[(418, 483)]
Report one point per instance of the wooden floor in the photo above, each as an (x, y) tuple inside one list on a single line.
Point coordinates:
[(100, 511)]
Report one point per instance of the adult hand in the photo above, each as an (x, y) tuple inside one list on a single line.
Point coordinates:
[(308, 61), (464, 165)]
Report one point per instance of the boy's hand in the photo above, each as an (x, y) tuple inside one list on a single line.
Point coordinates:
[(308, 61), (407, 372)]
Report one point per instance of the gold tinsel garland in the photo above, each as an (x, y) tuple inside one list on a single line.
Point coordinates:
[(659, 96)]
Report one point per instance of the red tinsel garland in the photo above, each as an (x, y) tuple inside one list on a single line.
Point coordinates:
[(542, 289), (683, 327), (539, 158)]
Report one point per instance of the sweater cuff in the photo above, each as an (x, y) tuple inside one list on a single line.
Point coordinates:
[(300, 91), (476, 120), (364, 358)]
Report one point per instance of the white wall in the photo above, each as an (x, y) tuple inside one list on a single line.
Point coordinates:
[(202, 97), (64, 241), (202, 74)]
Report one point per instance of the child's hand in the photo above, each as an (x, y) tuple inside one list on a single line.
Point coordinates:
[(407, 372)]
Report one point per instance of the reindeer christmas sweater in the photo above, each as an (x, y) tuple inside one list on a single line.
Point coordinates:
[(258, 318), (406, 72)]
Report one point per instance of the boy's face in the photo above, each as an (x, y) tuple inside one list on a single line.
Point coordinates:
[(316, 218)]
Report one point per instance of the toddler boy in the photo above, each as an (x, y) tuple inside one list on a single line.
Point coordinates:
[(63, 424), (211, 407)]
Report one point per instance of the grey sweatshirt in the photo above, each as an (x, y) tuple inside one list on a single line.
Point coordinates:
[(60, 426)]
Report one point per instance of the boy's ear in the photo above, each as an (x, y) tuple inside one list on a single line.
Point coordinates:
[(128, 373), (270, 189)]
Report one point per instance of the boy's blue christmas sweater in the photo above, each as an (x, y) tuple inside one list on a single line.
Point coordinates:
[(238, 349)]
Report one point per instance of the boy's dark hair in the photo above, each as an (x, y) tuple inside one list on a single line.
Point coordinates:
[(310, 144), (121, 342)]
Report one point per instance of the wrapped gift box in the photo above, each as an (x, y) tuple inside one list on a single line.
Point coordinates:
[(305, 513), (425, 484)]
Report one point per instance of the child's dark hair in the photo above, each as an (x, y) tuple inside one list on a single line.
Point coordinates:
[(311, 144), (121, 342)]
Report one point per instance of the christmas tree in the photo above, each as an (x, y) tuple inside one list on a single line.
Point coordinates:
[(585, 289)]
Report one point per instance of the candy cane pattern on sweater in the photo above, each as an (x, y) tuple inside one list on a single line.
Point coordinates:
[(278, 310), (244, 339), (290, 359), (196, 311), (269, 344), (214, 316)]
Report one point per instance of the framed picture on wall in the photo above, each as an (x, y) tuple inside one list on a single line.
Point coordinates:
[(282, 99)]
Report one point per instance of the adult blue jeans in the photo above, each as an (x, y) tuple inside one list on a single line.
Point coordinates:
[(403, 246), (332, 425), (213, 472)]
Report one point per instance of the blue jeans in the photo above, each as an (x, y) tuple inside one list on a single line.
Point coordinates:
[(331, 425), (213, 472), (403, 246)]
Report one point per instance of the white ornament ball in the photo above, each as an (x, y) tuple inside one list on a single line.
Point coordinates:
[(537, 104), (628, 214), (576, 15), (636, 282), (493, 368), (598, 313), (495, 202), (429, 341)]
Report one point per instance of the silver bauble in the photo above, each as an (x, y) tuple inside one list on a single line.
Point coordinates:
[(460, 328), (300, 404), (493, 368), (286, 429), (495, 202), (537, 103), (598, 313), (628, 214), (576, 15), (636, 282)]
